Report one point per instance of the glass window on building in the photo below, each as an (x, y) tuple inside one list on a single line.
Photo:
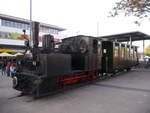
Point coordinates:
[(41, 28), (52, 31), (20, 25), (16, 25), (13, 24), (56, 31), (28, 26), (46, 29), (7, 23), (10, 23), (25, 26), (49, 30), (2, 22)]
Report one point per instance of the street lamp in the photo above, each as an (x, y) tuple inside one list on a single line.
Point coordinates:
[(31, 22)]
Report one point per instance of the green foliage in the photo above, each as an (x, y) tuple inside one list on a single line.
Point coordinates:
[(147, 50)]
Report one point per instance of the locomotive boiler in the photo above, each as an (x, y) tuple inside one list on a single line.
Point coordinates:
[(42, 70)]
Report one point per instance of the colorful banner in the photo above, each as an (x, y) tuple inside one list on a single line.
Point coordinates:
[(15, 36)]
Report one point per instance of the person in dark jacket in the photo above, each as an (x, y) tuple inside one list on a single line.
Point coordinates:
[(3, 67)]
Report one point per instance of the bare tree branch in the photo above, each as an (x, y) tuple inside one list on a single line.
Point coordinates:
[(138, 8)]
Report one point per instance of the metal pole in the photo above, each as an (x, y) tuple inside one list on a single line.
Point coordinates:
[(31, 23), (130, 45), (130, 41), (97, 28), (143, 48), (127, 42)]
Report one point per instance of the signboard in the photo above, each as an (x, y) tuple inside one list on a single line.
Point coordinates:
[(15, 36)]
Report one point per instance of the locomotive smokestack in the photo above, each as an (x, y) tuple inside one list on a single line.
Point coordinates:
[(35, 34)]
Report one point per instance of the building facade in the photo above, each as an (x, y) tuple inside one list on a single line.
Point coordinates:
[(12, 30)]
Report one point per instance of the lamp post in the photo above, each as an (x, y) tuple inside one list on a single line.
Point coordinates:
[(143, 49), (98, 28), (31, 23)]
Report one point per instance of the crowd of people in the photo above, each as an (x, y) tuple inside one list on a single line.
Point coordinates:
[(7, 68)]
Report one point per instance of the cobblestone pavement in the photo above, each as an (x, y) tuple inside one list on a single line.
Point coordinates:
[(128, 93)]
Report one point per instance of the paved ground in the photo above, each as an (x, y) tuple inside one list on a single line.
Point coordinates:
[(128, 93)]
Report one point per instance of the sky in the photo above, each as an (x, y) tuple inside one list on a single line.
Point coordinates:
[(86, 17)]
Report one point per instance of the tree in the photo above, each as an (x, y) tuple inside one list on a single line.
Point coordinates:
[(138, 8), (147, 50)]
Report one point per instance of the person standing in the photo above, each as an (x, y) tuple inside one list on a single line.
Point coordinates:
[(3, 67), (8, 69), (12, 68)]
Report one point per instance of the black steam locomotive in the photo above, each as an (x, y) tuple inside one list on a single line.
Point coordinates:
[(45, 69)]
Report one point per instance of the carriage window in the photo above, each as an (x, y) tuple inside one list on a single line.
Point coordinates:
[(128, 54), (135, 53), (131, 53), (95, 46), (122, 52), (116, 51), (104, 51)]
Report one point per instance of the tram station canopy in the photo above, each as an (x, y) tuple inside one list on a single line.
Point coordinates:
[(125, 37)]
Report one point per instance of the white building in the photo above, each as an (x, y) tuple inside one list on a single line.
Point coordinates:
[(11, 30)]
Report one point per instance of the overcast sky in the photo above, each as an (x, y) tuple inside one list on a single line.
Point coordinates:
[(77, 16)]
